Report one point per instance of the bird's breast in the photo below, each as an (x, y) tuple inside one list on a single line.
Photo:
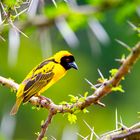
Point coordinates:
[(59, 72)]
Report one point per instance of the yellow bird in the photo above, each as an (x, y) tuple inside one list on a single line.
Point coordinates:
[(43, 76)]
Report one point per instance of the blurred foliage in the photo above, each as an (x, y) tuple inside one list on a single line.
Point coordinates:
[(112, 16)]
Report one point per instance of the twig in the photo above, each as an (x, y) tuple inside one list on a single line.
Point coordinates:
[(131, 133), (98, 94), (9, 20), (8, 83), (46, 124)]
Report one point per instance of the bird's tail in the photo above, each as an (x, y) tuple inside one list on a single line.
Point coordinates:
[(16, 105)]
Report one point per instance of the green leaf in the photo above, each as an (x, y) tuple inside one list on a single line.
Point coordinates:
[(37, 133), (73, 98), (85, 110), (123, 58), (36, 107), (33, 107), (77, 111), (86, 94), (113, 71), (72, 118), (118, 88), (45, 138), (63, 103), (82, 99), (101, 80), (42, 122)]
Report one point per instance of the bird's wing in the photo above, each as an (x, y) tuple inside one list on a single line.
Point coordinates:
[(41, 76)]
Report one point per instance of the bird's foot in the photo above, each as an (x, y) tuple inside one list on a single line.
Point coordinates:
[(45, 98)]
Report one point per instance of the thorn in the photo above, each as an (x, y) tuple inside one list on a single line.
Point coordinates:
[(98, 85), (29, 6), (121, 120), (124, 45), (2, 38), (123, 126), (87, 125), (90, 83), (133, 26), (2, 6), (53, 138), (54, 2), (116, 118), (83, 138), (100, 103), (11, 23), (92, 130), (100, 74), (3, 22), (120, 60), (80, 95), (18, 14)]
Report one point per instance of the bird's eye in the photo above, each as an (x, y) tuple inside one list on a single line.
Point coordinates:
[(67, 60)]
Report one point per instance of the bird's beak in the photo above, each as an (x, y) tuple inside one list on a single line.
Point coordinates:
[(73, 65)]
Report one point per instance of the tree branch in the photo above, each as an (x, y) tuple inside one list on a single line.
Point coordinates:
[(45, 125), (131, 133), (104, 89), (8, 83)]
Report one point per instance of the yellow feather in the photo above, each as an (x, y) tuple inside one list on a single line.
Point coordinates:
[(59, 73), (16, 106), (40, 79)]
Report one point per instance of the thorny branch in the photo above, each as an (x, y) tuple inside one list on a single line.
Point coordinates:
[(45, 125), (104, 89), (131, 133)]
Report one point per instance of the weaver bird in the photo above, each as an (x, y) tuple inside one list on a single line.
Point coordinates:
[(43, 76)]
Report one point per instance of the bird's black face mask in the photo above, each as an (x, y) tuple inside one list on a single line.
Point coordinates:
[(68, 62)]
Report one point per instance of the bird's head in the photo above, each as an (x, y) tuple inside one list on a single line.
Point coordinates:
[(66, 59)]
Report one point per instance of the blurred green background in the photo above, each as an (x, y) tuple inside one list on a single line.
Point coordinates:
[(91, 52)]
